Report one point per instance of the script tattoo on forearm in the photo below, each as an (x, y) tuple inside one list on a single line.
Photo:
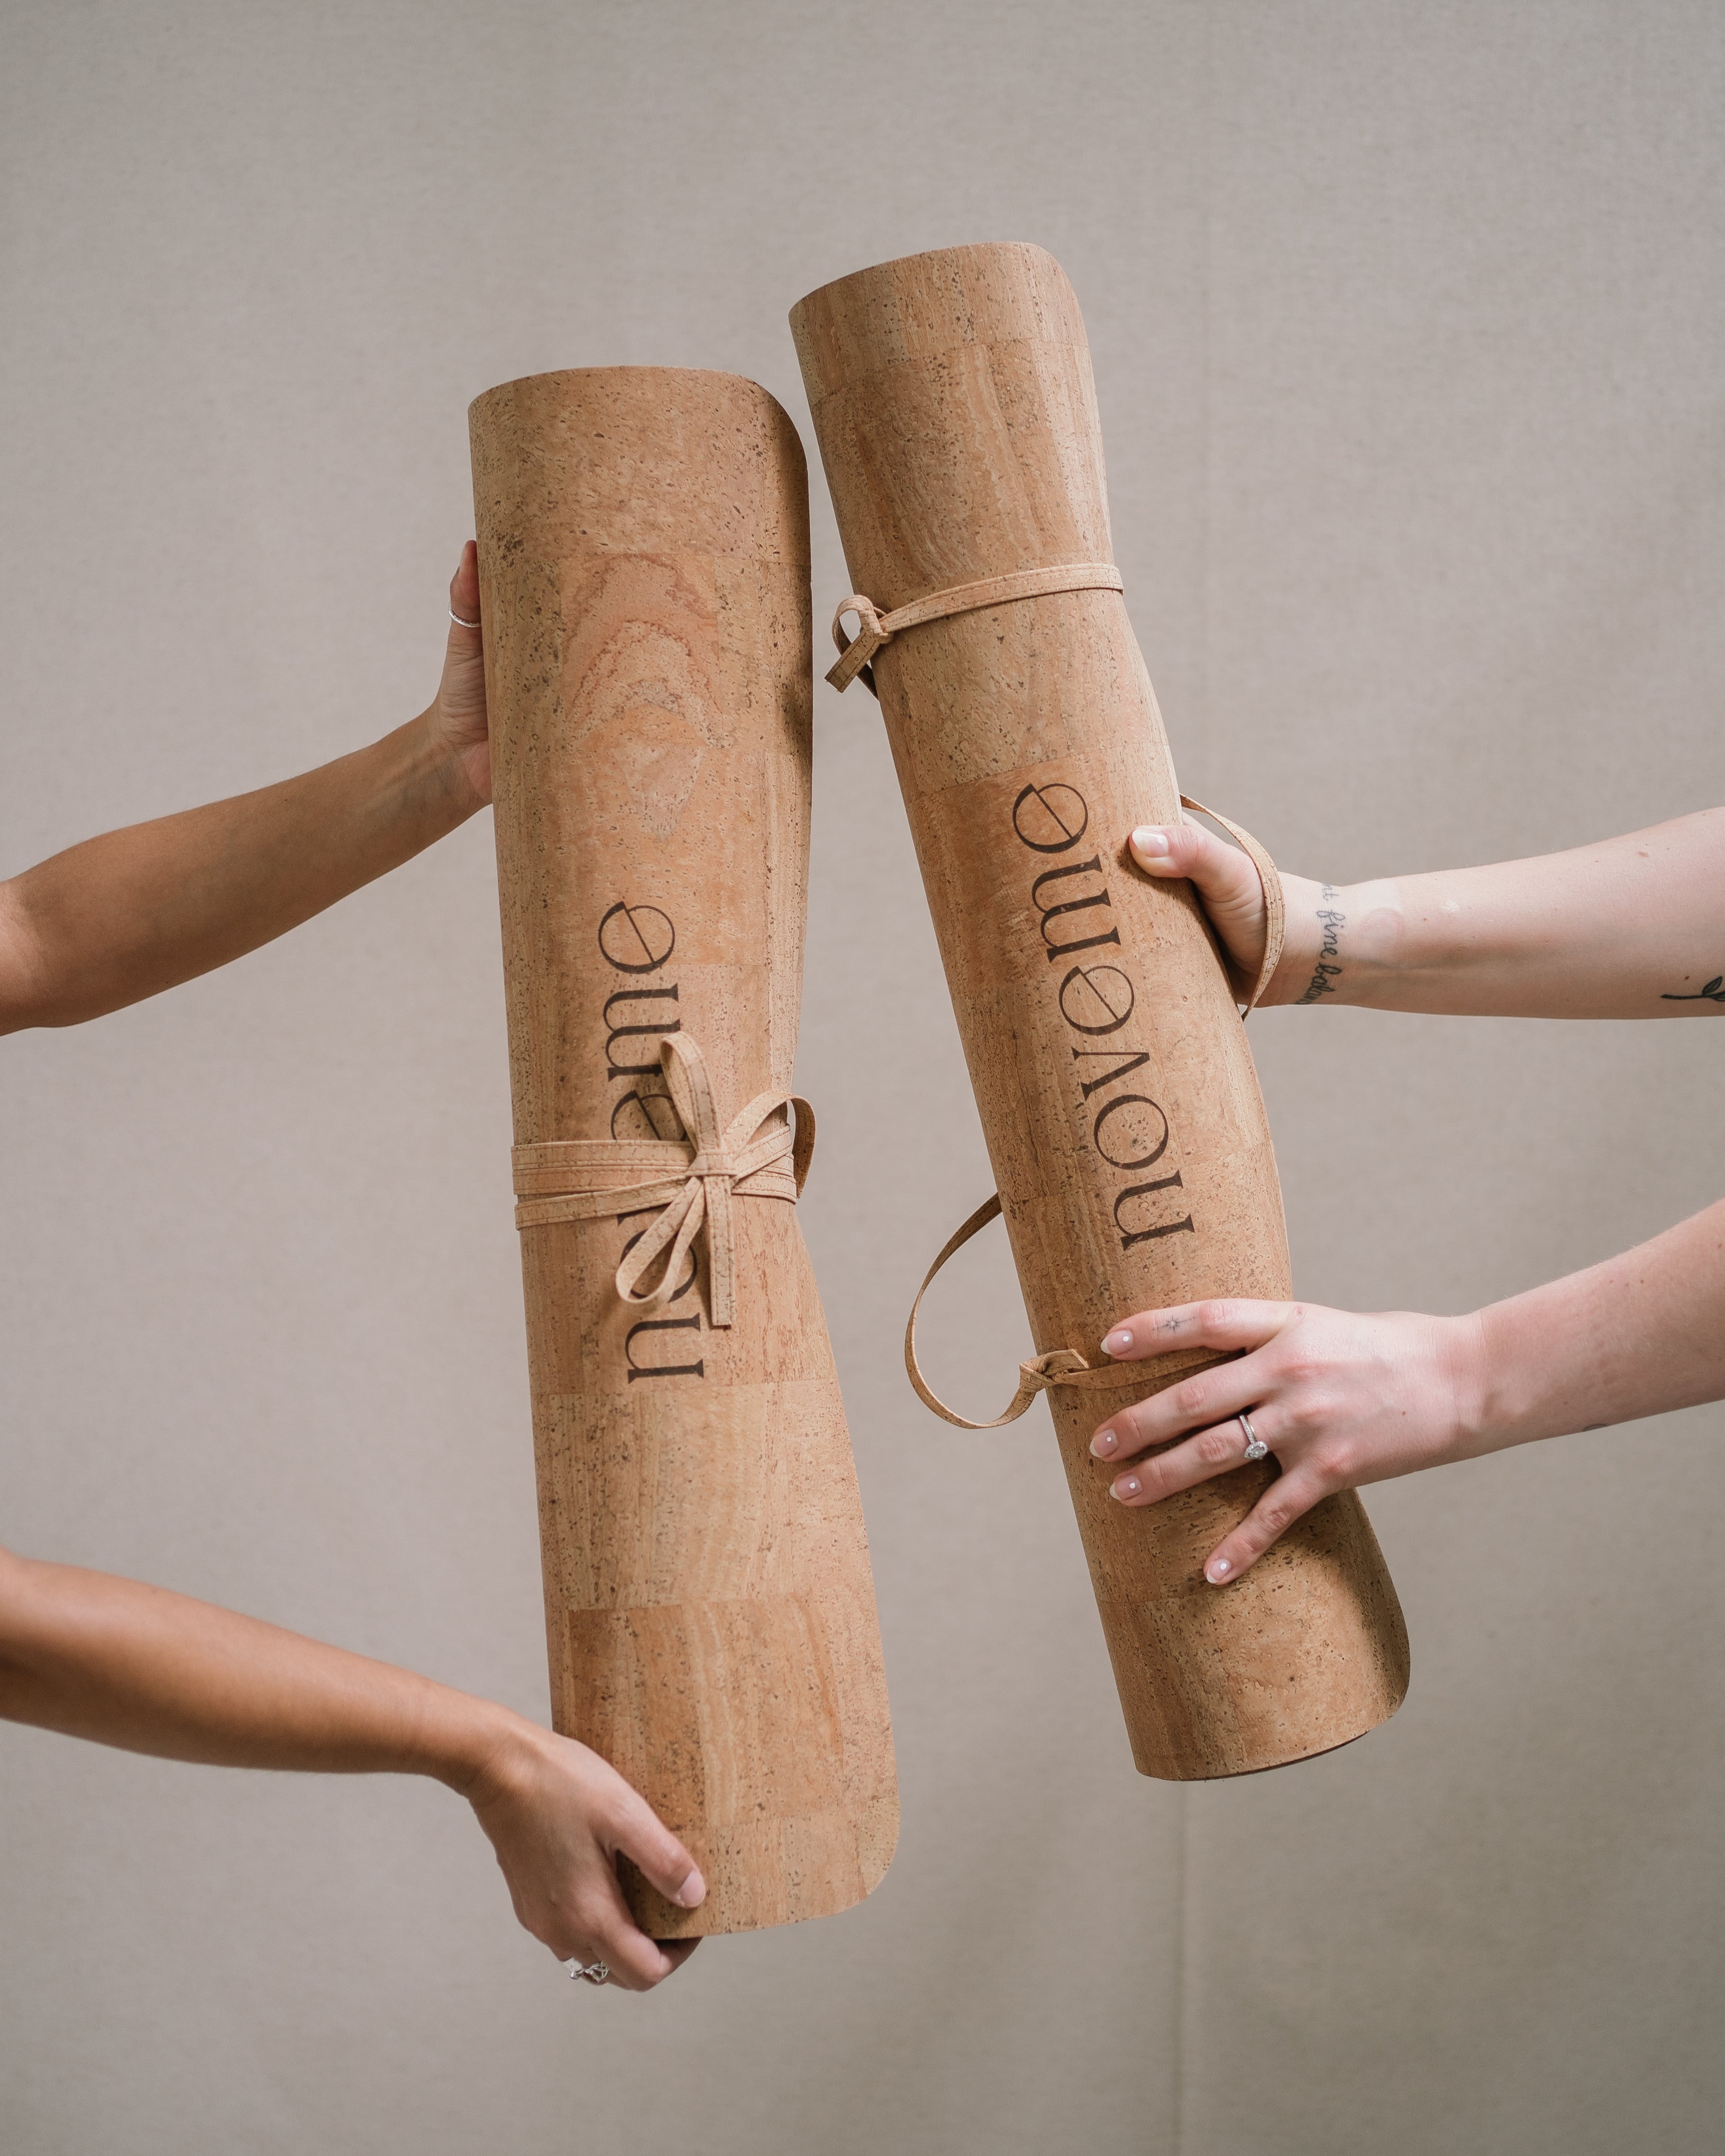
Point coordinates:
[(1714, 993), (1331, 921)]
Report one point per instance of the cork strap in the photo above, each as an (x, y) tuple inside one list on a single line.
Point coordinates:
[(876, 630), (1065, 1366), (757, 1155), (1246, 988), (1062, 1366)]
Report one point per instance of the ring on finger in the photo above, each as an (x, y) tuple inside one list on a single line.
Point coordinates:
[(588, 1972), (1255, 1448)]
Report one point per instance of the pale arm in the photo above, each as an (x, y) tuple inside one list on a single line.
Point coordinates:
[(1629, 928), (135, 1666), (125, 915), (1342, 1400)]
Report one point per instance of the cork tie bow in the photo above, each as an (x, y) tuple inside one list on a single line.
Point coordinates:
[(693, 1177), (744, 1159)]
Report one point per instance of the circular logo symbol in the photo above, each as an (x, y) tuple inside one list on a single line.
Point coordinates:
[(1049, 819), (637, 939), (1096, 999)]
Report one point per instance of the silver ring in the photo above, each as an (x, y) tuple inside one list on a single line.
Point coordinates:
[(458, 621), (1256, 1448), (588, 1972)]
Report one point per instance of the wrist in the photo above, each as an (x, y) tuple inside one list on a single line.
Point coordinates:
[(1343, 942), (1469, 1362), (470, 1741), (440, 770), (1527, 1378), (1296, 978)]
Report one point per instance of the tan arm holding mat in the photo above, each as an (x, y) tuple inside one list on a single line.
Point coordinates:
[(956, 414), (644, 566)]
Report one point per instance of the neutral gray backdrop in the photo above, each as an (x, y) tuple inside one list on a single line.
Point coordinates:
[(1408, 324)]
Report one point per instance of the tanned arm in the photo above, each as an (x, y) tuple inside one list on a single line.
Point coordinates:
[(137, 1667), (124, 917), (107, 924)]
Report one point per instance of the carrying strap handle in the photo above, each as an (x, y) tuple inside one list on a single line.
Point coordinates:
[(1246, 988), (756, 1155), (875, 630), (1062, 1366), (1065, 1366)]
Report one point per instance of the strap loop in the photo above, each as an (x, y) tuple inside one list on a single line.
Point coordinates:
[(876, 630), (757, 1155), (1060, 1366)]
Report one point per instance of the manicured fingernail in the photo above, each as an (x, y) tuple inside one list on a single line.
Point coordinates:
[(1147, 840), (1219, 1568), (1117, 1341), (1103, 1443), (1128, 1486), (692, 1893)]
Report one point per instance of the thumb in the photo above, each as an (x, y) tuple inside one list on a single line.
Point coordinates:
[(464, 596), (1227, 883), (461, 693), (657, 1855)]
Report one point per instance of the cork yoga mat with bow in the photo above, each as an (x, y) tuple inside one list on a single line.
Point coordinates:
[(956, 413), (643, 568)]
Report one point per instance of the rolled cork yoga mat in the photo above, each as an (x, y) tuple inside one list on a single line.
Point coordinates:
[(956, 418), (644, 573)]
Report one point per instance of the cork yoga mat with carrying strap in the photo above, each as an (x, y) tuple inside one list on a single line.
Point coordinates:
[(956, 415), (643, 570)]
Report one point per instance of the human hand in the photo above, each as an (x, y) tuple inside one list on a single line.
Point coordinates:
[(458, 718), (1339, 1398), (1226, 882), (1229, 891), (558, 1818)]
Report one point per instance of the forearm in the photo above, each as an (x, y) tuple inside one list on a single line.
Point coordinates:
[(1342, 1400), (125, 915), (135, 1666), (1640, 1335), (1631, 928)]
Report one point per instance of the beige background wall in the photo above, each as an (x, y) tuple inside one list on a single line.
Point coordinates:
[(1408, 324)]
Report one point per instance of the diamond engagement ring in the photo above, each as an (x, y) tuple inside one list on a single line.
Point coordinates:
[(588, 1972), (1256, 1448)]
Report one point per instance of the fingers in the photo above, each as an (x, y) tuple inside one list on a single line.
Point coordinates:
[(631, 1828), (1224, 1323), (1217, 1450), (460, 711), (559, 1818), (1223, 876), (599, 1928), (465, 600), (642, 1836), (1208, 1396), (1289, 1498), (1338, 1397)]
